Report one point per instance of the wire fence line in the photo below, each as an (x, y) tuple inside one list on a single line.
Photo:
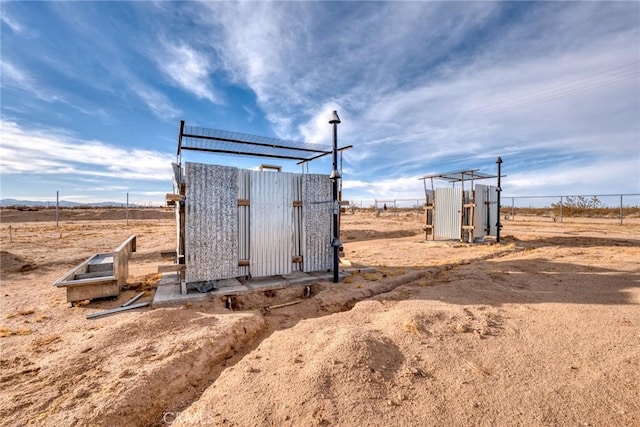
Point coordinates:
[(606, 200), (560, 206), (556, 207)]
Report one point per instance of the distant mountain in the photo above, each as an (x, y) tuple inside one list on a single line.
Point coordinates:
[(63, 204)]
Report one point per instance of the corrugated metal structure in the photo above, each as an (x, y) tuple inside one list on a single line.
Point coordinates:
[(486, 199), (254, 223), (448, 221), (234, 223), (457, 213), (211, 223)]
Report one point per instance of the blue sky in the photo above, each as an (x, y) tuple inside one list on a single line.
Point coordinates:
[(93, 92)]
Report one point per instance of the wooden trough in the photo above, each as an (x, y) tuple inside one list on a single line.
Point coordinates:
[(102, 275)]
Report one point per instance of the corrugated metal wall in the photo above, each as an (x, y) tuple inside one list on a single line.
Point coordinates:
[(486, 210), (493, 208), (480, 219), (271, 243), (211, 227), (269, 218), (448, 218), (317, 222)]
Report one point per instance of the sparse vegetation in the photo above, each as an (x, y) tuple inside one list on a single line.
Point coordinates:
[(574, 206), (571, 206)]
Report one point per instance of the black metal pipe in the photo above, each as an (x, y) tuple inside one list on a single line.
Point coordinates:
[(499, 190), (335, 176), (180, 137), (334, 243)]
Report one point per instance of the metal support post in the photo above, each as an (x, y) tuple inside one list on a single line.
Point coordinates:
[(499, 190), (621, 209), (57, 208), (335, 176)]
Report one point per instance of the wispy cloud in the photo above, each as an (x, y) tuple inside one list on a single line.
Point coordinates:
[(157, 101), (421, 87), (54, 152), (16, 77), (188, 69), (11, 23)]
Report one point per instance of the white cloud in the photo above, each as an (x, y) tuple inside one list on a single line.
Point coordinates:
[(11, 23), (157, 101), (26, 151), (419, 91), (16, 77), (398, 188), (188, 69), (598, 177)]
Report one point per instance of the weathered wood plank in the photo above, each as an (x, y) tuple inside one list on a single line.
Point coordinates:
[(168, 254), (175, 197)]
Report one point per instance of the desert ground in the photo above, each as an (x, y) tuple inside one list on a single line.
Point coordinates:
[(541, 329)]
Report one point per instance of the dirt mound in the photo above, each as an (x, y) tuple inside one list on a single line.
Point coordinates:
[(121, 373), (366, 371), (11, 263)]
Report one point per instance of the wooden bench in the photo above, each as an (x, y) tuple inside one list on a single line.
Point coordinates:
[(100, 276)]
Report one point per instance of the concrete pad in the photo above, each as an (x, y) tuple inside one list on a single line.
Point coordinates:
[(228, 283), (168, 292), (299, 278), (266, 283), (168, 295)]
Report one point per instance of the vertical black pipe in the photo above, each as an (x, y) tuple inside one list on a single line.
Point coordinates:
[(180, 141), (499, 190), (335, 176)]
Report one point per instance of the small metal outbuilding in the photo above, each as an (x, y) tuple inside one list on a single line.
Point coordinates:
[(254, 223), (468, 215), (234, 222)]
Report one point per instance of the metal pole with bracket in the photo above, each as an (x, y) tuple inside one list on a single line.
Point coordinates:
[(335, 176)]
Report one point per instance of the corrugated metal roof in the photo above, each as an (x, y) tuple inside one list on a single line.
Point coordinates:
[(459, 176), (227, 142)]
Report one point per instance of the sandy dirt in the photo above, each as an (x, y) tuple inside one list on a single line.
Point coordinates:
[(540, 329)]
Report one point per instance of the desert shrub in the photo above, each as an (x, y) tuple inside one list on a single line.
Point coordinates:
[(579, 206)]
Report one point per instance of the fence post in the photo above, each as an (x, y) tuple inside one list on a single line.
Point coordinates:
[(621, 209), (127, 210), (560, 208), (512, 207), (57, 208)]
